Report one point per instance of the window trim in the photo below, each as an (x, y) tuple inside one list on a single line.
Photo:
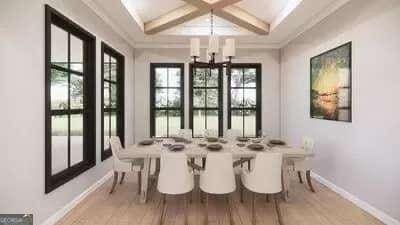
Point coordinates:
[(153, 109), (52, 182), (220, 107), (120, 109), (258, 67)]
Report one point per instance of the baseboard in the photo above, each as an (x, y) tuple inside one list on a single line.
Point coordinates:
[(63, 211), (385, 218)]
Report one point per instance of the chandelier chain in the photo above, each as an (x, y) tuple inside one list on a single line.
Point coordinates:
[(212, 21)]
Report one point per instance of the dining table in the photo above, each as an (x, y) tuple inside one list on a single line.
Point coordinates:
[(195, 150)]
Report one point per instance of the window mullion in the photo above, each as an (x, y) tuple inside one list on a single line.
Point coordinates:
[(69, 99)]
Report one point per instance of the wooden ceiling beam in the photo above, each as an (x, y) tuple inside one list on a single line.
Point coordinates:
[(195, 8), (243, 19)]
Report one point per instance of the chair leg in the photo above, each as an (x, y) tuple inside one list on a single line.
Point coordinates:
[(300, 178), (278, 210), (308, 176), (267, 198), (201, 196), (253, 210), (206, 209), (241, 192), (186, 207), (163, 201), (139, 175), (229, 201), (122, 178), (114, 182)]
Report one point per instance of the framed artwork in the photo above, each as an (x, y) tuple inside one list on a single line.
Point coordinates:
[(330, 82)]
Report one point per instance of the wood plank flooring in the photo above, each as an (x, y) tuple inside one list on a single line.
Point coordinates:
[(303, 208)]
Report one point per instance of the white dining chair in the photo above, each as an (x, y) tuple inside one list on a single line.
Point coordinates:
[(185, 133), (210, 133), (218, 178), (304, 165), (264, 178), (123, 165), (175, 178)]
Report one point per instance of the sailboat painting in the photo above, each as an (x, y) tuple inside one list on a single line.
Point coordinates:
[(330, 80)]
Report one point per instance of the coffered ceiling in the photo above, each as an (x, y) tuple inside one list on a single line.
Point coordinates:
[(170, 23)]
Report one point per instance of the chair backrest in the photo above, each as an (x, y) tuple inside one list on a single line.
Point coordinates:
[(210, 133), (308, 144), (185, 133), (266, 177), (232, 134), (116, 147), (218, 176), (174, 177)]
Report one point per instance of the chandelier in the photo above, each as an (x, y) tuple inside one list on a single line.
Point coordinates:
[(228, 50)]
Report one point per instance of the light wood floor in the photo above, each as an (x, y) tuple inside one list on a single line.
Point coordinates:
[(303, 208)]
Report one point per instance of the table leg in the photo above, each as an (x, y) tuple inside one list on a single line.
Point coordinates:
[(145, 180), (285, 180)]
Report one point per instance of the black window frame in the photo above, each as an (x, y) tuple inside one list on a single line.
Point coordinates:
[(53, 17), (258, 88), (220, 107), (120, 85), (153, 109)]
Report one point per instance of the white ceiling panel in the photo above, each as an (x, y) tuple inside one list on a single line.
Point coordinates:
[(151, 9), (265, 10)]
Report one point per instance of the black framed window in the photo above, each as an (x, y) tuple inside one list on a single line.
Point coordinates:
[(166, 99), (205, 94), (70, 99), (112, 92), (244, 98)]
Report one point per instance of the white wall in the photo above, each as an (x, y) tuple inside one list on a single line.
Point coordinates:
[(22, 80), (361, 157), (270, 85)]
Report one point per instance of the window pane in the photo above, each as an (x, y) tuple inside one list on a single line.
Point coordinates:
[(106, 120), (212, 119), (113, 69), (212, 98), (236, 78), (113, 124), (76, 92), (59, 46), (76, 54), (59, 143), (250, 77), (174, 77), (199, 122), (199, 96), (174, 122), (237, 120), (161, 97), (199, 78), (106, 94), (236, 98), (76, 139), (106, 66), (212, 80), (250, 123), (113, 95), (174, 98), (161, 77), (161, 123), (250, 98), (59, 90)]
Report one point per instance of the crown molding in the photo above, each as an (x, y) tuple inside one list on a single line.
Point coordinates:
[(139, 45), (320, 16), (102, 14)]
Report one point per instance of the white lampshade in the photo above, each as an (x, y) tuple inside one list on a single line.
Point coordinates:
[(213, 45), (224, 56), (230, 47), (195, 47)]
